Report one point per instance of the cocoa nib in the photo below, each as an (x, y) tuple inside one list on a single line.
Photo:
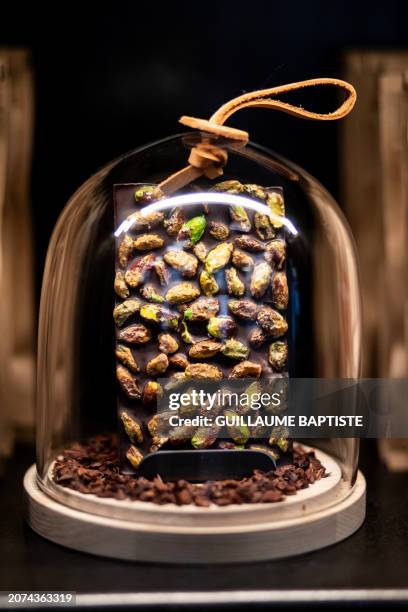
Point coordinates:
[(93, 468)]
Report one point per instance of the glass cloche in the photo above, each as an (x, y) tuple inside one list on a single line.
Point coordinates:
[(155, 285)]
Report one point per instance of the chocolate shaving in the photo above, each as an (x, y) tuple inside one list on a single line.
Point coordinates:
[(93, 467)]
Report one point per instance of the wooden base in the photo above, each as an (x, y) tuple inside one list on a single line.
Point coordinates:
[(199, 539)]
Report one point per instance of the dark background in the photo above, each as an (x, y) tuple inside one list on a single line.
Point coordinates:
[(111, 76)]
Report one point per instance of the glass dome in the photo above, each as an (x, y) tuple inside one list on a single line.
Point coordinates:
[(249, 275)]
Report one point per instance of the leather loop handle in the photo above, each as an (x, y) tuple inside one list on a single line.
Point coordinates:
[(267, 98), (209, 159)]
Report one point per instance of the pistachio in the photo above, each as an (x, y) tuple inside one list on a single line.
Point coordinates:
[(136, 273), (187, 312), (252, 392), (244, 309), (255, 191), (263, 226), (161, 271), (272, 322), (246, 369), (258, 337), (149, 293), (138, 221), (157, 443), (132, 428), (219, 231), (127, 382), (188, 409), (234, 187), (239, 433), (152, 392), (261, 277), (175, 222), (203, 370), (134, 456), (135, 334), (235, 349), (168, 344), (229, 445), (208, 283), (200, 251), (126, 309), (242, 260), (148, 193), (275, 254), (278, 355), (155, 313), (280, 292), (158, 425), (205, 437), (235, 286), (181, 434), (248, 243), (205, 349), (218, 257), (185, 334), (183, 262), (148, 242), (253, 389), (277, 206), (175, 381), (182, 292), (278, 383), (259, 430), (158, 365), (179, 360), (125, 250), (221, 327), (125, 356), (279, 437), (121, 288), (192, 230), (240, 219), (202, 309)]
